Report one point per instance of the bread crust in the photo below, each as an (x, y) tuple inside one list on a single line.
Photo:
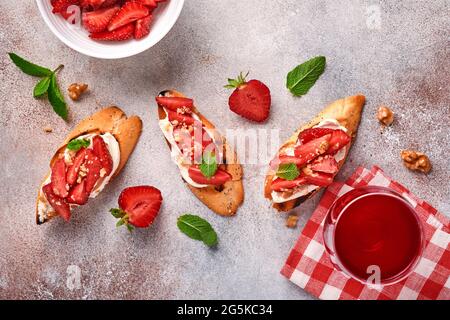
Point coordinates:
[(347, 112), (224, 200), (126, 130)]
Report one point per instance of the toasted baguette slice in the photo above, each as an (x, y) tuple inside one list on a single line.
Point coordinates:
[(111, 119), (224, 200), (347, 112)]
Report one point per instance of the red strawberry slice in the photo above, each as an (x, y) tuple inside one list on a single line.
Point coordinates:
[(58, 178), (313, 133), (311, 150), (339, 139), (280, 184), (101, 150), (250, 100), (283, 159), (60, 6), (59, 204), (92, 4), (96, 21), (120, 34), (180, 118), (72, 171), (78, 194), (325, 164), (218, 179), (142, 27), (130, 12), (141, 204), (319, 179), (93, 167), (173, 103), (152, 4)]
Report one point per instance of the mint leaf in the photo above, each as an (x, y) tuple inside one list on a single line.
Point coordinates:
[(208, 167), (28, 67), (197, 228), (76, 145), (41, 87), (288, 171), (56, 98), (303, 77)]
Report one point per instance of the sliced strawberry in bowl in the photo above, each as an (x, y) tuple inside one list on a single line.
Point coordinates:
[(139, 206), (218, 179), (326, 164), (130, 12), (312, 149), (58, 178), (61, 6), (175, 103), (339, 139), (72, 170), (78, 194), (101, 150), (250, 99), (123, 33), (59, 204), (93, 167), (152, 4), (280, 184), (98, 20), (142, 27), (92, 4), (313, 133)]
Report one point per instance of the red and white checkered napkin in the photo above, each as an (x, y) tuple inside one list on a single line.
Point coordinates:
[(309, 266)]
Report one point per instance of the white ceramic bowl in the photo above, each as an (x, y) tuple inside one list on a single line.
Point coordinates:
[(78, 39)]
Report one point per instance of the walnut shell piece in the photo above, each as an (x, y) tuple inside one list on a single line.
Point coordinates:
[(291, 221), (76, 90), (385, 115), (416, 161)]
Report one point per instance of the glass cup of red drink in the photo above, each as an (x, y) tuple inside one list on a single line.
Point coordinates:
[(374, 235)]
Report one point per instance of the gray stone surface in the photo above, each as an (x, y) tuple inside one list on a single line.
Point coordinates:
[(404, 63)]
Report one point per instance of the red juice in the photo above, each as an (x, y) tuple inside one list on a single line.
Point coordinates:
[(377, 229)]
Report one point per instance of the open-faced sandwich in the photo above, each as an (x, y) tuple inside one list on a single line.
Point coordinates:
[(312, 156), (92, 154), (207, 164)]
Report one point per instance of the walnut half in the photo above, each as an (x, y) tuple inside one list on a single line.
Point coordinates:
[(414, 160), (385, 115), (291, 221), (76, 90)]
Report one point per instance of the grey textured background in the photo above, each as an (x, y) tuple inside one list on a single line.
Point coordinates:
[(404, 64)]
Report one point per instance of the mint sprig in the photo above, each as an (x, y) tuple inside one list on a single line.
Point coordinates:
[(208, 167), (305, 75), (48, 84), (77, 144), (198, 229), (288, 171)]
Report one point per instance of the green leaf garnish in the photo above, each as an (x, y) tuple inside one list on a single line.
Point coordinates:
[(288, 171), (303, 77), (208, 167), (28, 67), (41, 87), (77, 144), (198, 229), (56, 98)]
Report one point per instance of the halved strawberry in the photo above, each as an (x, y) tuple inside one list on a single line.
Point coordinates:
[(139, 206), (339, 139), (250, 100), (283, 159), (312, 149), (101, 150), (313, 133), (130, 12), (78, 194), (58, 178), (120, 34), (319, 179), (181, 118), (142, 27), (280, 184), (96, 21), (72, 170), (326, 164), (59, 204), (60, 6), (218, 179), (93, 167), (174, 103)]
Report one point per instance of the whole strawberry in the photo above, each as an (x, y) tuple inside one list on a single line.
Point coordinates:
[(250, 99), (139, 206)]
